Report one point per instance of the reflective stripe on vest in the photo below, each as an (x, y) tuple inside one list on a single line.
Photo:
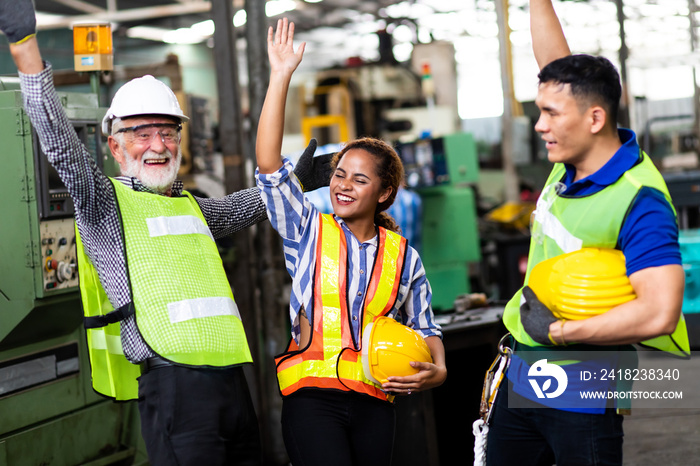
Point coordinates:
[(589, 221), (332, 359), (179, 225), (185, 310)]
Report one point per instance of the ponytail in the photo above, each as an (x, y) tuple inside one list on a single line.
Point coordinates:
[(383, 219)]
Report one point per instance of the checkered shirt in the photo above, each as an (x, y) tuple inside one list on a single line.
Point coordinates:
[(95, 205)]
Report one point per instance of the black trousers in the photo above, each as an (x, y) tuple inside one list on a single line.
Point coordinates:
[(198, 417), (531, 435), (323, 428)]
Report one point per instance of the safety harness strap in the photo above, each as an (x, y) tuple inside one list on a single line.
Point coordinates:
[(111, 317)]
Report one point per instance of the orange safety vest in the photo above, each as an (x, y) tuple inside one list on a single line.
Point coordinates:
[(332, 359)]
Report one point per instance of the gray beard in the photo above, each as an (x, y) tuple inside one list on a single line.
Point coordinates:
[(161, 183)]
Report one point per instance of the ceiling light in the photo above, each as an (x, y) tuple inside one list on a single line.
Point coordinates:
[(402, 52), (205, 28), (201, 31), (240, 18), (402, 33), (183, 36), (146, 32), (277, 7)]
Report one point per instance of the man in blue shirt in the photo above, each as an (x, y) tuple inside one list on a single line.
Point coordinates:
[(578, 98)]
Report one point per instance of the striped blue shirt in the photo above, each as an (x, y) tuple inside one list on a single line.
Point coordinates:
[(296, 220)]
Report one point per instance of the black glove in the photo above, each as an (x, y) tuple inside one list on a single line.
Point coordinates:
[(536, 317), (313, 172), (17, 19)]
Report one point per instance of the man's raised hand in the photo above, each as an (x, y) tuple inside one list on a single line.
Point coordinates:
[(17, 20)]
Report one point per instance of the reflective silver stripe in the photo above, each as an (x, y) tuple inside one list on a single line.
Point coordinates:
[(552, 227), (178, 225), (99, 340), (202, 307)]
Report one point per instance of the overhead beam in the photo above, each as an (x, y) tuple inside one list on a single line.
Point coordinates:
[(80, 5), (133, 14)]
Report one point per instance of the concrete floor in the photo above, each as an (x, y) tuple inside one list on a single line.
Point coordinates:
[(667, 437), (662, 438)]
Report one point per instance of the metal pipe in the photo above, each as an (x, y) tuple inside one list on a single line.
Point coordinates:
[(258, 65), (511, 176), (692, 10), (624, 114), (95, 84)]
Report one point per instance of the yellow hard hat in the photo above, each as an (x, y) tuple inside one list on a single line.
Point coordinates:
[(583, 283), (388, 347)]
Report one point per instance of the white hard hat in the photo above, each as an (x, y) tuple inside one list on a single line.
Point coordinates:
[(143, 96)]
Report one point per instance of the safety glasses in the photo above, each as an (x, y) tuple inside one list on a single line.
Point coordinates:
[(144, 134)]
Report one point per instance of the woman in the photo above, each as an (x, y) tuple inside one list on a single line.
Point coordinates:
[(347, 269)]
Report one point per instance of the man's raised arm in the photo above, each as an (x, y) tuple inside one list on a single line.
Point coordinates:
[(27, 57), (548, 41)]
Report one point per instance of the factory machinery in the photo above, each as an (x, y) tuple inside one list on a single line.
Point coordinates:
[(415, 108), (389, 100), (442, 170), (49, 411)]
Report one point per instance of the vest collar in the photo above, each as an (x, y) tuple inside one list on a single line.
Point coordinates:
[(135, 184), (627, 156), (370, 242)]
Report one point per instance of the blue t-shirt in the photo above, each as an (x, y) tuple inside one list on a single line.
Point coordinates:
[(649, 234), (648, 238)]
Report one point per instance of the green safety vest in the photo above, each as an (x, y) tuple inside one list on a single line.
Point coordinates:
[(566, 224), (181, 298)]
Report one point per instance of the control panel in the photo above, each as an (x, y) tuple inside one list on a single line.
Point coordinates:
[(442, 161), (58, 254)]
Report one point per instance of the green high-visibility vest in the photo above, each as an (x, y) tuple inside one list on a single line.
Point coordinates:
[(565, 224), (181, 299)]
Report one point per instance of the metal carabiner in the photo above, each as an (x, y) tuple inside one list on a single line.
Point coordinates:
[(502, 348), (494, 376)]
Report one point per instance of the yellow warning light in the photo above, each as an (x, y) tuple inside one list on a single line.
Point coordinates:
[(92, 46)]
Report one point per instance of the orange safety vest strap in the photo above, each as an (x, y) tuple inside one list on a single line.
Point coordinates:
[(383, 287), (332, 359)]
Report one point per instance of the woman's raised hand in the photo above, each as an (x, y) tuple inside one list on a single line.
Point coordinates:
[(280, 48)]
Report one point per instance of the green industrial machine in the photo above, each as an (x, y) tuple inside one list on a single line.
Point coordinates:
[(442, 170), (49, 413)]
